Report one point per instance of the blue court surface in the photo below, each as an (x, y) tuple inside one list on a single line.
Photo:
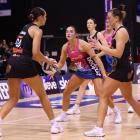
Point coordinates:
[(56, 102)]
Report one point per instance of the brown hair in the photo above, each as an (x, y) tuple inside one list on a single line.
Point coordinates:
[(94, 20), (121, 13), (74, 30), (35, 13)]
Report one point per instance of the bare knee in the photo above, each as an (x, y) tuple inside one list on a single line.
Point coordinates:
[(128, 97), (98, 92), (104, 96)]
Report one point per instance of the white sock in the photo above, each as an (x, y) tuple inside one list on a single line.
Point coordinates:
[(99, 128), (76, 106), (63, 113), (53, 121), (110, 108), (116, 109)]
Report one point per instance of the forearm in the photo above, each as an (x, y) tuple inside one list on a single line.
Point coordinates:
[(60, 65), (40, 57), (109, 51), (101, 54)]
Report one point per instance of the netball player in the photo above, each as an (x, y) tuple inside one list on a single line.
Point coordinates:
[(79, 52), (21, 66), (108, 34), (122, 73)]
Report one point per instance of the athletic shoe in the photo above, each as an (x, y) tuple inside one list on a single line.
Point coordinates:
[(73, 110), (56, 128), (130, 109), (95, 132), (118, 118), (62, 117)]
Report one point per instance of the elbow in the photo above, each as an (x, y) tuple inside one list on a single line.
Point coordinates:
[(119, 55), (60, 65), (35, 55)]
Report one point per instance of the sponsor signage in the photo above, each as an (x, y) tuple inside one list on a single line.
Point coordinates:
[(52, 86)]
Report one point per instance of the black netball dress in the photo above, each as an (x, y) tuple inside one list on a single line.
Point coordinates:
[(20, 64), (122, 67)]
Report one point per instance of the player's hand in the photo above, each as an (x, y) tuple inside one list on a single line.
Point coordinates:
[(95, 44), (51, 61), (50, 73)]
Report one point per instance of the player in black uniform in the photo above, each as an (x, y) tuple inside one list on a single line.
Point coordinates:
[(122, 73), (21, 66)]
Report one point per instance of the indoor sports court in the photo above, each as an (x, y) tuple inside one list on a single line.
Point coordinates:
[(48, 49)]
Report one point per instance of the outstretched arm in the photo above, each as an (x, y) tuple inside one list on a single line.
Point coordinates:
[(60, 64)]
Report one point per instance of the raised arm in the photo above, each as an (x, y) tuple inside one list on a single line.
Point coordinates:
[(121, 38)]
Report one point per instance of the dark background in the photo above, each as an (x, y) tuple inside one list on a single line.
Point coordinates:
[(66, 12), (60, 14)]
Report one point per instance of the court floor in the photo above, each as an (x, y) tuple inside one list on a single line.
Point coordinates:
[(31, 123)]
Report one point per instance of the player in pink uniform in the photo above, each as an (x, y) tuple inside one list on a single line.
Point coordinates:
[(85, 62)]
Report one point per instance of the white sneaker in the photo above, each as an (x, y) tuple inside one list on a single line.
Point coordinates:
[(56, 128), (73, 110), (130, 109), (109, 111), (118, 118), (95, 132), (62, 117)]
